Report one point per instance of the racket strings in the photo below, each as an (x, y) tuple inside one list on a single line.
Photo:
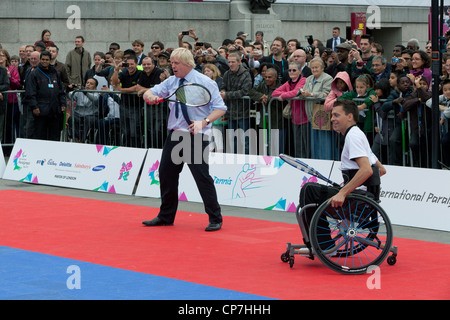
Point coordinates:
[(193, 95)]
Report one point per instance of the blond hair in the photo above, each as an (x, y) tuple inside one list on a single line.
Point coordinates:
[(119, 54), (184, 56), (214, 69)]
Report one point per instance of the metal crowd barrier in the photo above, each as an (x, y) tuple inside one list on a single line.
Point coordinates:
[(115, 118), (12, 118), (393, 141)]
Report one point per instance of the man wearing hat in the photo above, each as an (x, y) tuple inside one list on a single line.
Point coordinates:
[(40, 46), (243, 35), (164, 64), (259, 38), (340, 58), (343, 50)]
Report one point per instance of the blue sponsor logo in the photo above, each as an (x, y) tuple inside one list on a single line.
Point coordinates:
[(98, 168)]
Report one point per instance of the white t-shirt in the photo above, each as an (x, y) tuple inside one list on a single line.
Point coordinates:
[(356, 146)]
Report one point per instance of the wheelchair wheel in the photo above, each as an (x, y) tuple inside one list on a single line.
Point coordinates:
[(353, 237)]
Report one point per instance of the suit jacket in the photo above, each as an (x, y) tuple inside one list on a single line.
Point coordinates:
[(141, 58), (330, 42)]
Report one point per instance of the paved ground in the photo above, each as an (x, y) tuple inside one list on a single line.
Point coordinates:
[(399, 231)]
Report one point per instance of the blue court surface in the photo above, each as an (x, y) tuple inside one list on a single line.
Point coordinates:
[(27, 275)]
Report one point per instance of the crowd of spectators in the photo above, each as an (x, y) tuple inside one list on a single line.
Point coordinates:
[(296, 82)]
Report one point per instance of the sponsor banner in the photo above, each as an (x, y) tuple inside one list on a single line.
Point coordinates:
[(2, 161), (410, 196), (417, 197), (73, 165), (261, 182)]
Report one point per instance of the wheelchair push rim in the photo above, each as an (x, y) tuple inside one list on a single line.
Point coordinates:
[(351, 238)]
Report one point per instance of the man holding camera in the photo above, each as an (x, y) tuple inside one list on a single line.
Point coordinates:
[(212, 56), (276, 57), (125, 78), (360, 63)]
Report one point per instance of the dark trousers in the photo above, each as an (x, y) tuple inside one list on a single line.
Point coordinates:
[(446, 149), (317, 193), (181, 148), (47, 127)]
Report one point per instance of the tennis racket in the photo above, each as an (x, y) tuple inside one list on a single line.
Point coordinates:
[(296, 163), (190, 94)]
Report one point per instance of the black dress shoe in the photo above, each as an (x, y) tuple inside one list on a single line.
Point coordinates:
[(214, 226), (156, 222)]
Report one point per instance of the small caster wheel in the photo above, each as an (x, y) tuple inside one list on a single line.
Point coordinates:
[(291, 262), (391, 260), (285, 257)]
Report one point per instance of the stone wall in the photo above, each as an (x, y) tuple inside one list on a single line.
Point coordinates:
[(103, 22)]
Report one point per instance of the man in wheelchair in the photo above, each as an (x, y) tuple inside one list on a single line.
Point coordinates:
[(360, 167)]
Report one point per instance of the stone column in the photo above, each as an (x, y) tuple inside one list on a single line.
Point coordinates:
[(242, 19)]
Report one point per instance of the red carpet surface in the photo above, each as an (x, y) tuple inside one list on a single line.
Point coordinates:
[(244, 256)]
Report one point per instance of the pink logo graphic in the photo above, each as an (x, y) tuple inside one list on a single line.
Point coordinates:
[(153, 172), (125, 171)]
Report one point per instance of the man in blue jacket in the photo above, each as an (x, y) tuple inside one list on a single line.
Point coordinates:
[(44, 95)]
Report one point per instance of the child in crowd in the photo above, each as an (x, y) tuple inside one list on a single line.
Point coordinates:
[(340, 85), (383, 124), (444, 107), (218, 126), (395, 102), (363, 91)]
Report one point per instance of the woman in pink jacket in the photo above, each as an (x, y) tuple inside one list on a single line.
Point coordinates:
[(12, 114), (301, 126)]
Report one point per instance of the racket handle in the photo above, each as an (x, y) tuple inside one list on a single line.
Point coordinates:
[(156, 101)]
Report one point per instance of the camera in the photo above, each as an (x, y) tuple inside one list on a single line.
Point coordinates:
[(310, 39), (395, 60), (360, 63), (308, 49), (199, 44), (204, 52), (125, 65), (185, 33)]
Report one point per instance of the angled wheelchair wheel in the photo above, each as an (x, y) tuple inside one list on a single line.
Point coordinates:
[(353, 237)]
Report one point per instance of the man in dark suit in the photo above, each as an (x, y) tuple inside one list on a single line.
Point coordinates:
[(138, 48), (336, 40)]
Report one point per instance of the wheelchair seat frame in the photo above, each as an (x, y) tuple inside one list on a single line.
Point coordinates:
[(349, 239)]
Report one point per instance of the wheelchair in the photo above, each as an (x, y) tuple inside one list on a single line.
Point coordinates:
[(349, 239)]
